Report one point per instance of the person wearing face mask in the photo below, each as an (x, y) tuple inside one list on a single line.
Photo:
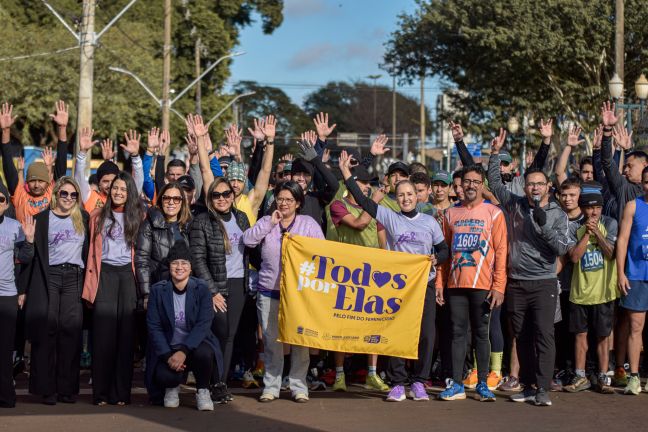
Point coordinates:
[(110, 287), (16, 245), (538, 235), (411, 232), (54, 279), (34, 194), (221, 260)]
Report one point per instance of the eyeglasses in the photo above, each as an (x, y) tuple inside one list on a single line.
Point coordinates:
[(175, 199), (536, 184), (65, 194), (469, 182), (3, 199), (219, 195), (285, 200)]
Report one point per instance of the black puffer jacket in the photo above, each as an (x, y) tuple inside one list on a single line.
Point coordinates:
[(208, 250), (154, 241)]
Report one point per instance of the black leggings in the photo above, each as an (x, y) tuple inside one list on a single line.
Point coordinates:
[(8, 316), (113, 329), (226, 323), (200, 361), (496, 334), (469, 306)]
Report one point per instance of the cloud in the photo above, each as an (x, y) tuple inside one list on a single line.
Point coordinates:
[(312, 55), (329, 54), (303, 8)]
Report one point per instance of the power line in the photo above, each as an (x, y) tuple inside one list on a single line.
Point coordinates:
[(26, 56)]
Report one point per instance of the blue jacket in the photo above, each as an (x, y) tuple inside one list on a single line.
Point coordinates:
[(160, 320)]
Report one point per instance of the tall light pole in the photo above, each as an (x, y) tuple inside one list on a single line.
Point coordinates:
[(423, 118), (394, 110), (166, 71), (619, 49), (374, 78)]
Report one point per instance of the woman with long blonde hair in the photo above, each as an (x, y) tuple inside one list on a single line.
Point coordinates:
[(54, 312)]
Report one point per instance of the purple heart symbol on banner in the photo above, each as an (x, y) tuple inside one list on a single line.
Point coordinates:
[(381, 278)]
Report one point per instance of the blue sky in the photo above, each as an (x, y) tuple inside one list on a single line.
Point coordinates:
[(321, 41)]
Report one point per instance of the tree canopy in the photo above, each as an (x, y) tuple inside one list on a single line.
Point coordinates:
[(501, 58)]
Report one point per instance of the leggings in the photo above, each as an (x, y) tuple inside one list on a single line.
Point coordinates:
[(200, 361), (8, 316), (226, 323), (496, 335), (469, 307)]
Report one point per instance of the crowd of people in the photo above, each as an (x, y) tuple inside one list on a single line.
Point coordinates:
[(176, 266)]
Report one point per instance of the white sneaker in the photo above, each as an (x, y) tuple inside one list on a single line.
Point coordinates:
[(172, 397), (204, 401)]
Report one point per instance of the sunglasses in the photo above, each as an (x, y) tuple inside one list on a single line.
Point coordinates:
[(3, 199), (174, 199), (65, 195), (219, 195)]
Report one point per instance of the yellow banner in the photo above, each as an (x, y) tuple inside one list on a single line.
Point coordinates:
[(348, 298)]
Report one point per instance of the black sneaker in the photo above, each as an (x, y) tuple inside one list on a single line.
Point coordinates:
[(219, 393), (542, 398), (526, 395)]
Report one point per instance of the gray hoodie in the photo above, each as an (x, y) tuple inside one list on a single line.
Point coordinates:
[(533, 250)]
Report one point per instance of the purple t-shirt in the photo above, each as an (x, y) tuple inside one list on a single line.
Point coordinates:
[(417, 235)]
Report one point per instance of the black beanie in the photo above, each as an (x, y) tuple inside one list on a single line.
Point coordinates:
[(107, 167), (300, 165), (179, 251), (590, 195)]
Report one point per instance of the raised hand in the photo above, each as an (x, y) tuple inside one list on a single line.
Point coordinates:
[(457, 132), (378, 146), (573, 135), (307, 145), (498, 142), (234, 136), (326, 156), (85, 139), (20, 164), (598, 136), (275, 217), (344, 163), (192, 148), (530, 155), (269, 127), (257, 132), (132, 142), (288, 157), (622, 137), (48, 157), (321, 124), (6, 118), (165, 141), (546, 129), (608, 115), (29, 228), (196, 126), (107, 149), (61, 117), (153, 140)]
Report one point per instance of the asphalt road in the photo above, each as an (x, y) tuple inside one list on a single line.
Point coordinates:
[(356, 410)]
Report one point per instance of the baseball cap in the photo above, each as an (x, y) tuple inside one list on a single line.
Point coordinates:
[(398, 166), (360, 173), (505, 156), (300, 165), (187, 182), (225, 161), (442, 176), (236, 171)]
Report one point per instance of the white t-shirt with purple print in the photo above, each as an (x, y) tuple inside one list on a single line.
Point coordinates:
[(10, 233)]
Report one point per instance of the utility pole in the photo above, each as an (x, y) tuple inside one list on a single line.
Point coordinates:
[(86, 75), (422, 138), (394, 109), (198, 89), (619, 49), (374, 78), (166, 73)]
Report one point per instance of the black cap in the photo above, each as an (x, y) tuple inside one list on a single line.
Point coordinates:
[(179, 251), (187, 182), (300, 165), (360, 173), (398, 166), (225, 161)]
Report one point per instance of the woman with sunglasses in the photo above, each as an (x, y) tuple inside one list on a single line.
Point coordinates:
[(221, 260), (416, 233), (110, 287), (15, 238), (54, 314), (268, 232), (166, 223)]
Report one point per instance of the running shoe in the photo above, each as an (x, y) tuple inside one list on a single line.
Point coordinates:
[(417, 392), (603, 384), (578, 384), (555, 386), (315, 384), (267, 397), (374, 382), (249, 381), (542, 397), (204, 401), (397, 394), (511, 384), (620, 377), (454, 391), (485, 394), (259, 370), (526, 395), (172, 397), (471, 380), (633, 387), (301, 398), (493, 380), (340, 383), (219, 393)]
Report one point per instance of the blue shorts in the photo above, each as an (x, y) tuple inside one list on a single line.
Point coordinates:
[(637, 298)]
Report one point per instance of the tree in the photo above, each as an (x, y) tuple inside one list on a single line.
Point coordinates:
[(291, 119), (503, 58), (135, 43), (350, 105)]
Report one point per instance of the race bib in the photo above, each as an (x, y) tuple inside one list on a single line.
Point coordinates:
[(592, 261), (465, 242)]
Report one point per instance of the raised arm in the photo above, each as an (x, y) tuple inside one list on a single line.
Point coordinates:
[(615, 180), (321, 121), (563, 160), (309, 154), (7, 119), (197, 128), (503, 195), (367, 204), (132, 147), (61, 120), (458, 136), (377, 149), (268, 128), (85, 144)]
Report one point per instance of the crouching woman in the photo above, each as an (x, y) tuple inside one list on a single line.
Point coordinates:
[(179, 317)]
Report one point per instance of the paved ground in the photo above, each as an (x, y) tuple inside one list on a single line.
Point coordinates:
[(338, 412)]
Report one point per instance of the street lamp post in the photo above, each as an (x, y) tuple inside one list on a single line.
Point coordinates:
[(615, 87), (374, 78)]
